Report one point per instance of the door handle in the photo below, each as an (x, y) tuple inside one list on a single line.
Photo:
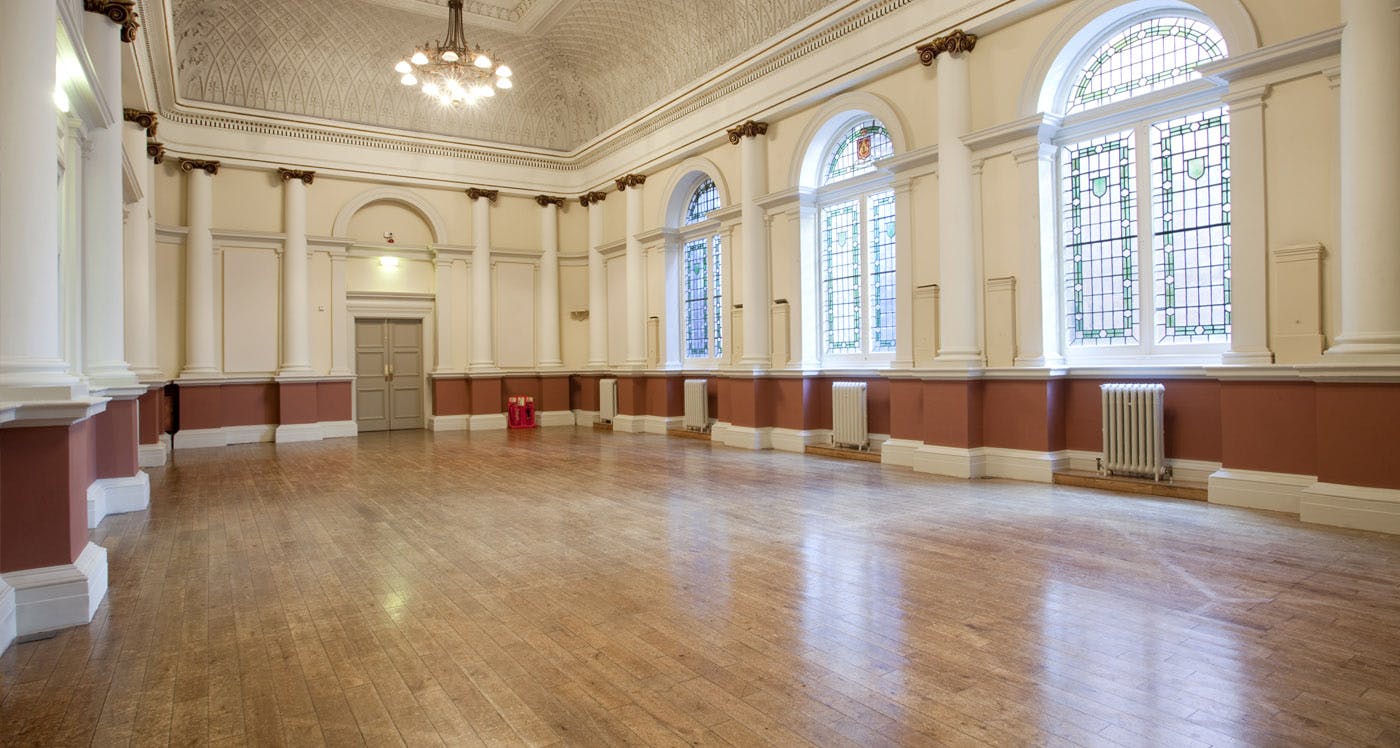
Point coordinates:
[(386, 372), (391, 372)]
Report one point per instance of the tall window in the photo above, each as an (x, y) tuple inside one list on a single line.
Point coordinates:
[(700, 275), (1169, 171), (856, 223)]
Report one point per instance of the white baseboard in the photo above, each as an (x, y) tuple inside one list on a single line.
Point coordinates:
[(7, 615), (57, 597), (796, 440), (584, 417), (1023, 464), (153, 455), (554, 418), (629, 424), (899, 452), (339, 429), (1183, 471), (1256, 489), (298, 432), (250, 434), (107, 496), (487, 422), (449, 423), (199, 439), (743, 437), (954, 462), (1360, 507), (660, 424)]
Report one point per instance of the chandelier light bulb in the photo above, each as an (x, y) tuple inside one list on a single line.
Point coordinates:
[(504, 71), (452, 71), (503, 83), (419, 58), (431, 89), (449, 56), (483, 62), (408, 80), (403, 67)]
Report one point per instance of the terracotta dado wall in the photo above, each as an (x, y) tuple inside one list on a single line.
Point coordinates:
[(223, 405), (456, 396)]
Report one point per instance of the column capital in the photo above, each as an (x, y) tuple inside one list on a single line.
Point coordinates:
[(121, 12), (591, 198), (306, 177), (156, 151), (630, 180), (208, 167), (476, 193), (749, 129), (546, 200), (145, 119), (955, 42)]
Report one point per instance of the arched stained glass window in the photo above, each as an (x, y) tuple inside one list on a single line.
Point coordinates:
[(1147, 56), (705, 199), (866, 142), (701, 277)]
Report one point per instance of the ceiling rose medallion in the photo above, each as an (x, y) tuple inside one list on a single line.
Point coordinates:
[(451, 71)]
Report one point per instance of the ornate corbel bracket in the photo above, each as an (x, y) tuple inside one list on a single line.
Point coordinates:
[(306, 177), (121, 12), (955, 42), (156, 151), (142, 118), (543, 200), (750, 129), (208, 167), (630, 180), (591, 198), (474, 193)]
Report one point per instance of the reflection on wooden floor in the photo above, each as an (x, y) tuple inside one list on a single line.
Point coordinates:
[(579, 587)]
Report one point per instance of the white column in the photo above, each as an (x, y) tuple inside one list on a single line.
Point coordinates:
[(1037, 287), (636, 273), (200, 360), (136, 260), (1370, 174), (549, 282), (104, 332), (30, 345), (1249, 238), (753, 163), (597, 283), (958, 285), (296, 331), (342, 336), (482, 358), (446, 331), (904, 321)]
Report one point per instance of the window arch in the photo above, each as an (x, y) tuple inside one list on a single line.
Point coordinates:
[(1145, 206), (702, 268), (855, 248)]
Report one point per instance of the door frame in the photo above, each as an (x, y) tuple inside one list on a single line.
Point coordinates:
[(389, 305)]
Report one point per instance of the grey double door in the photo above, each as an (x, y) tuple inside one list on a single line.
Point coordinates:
[(388, 374)]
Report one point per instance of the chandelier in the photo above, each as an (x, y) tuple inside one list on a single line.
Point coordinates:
[(451, 71)]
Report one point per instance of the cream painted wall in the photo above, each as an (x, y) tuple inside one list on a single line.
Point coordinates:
[(573, 297), (248, 199), (515, 313), (515, 223), (169, 303), (367, 275), (250, 281), (319, 315), (616, 270), (371, 222)]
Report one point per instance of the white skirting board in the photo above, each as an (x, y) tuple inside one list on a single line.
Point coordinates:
[(314, 432), (153, 455), (796, 440), (660, 424), (585, 417), (1023, 464), (629, 424), (554, 418), (7, 615), (743, 437), (1256, 489), (1183, 471), (108, 496), (449, 423), (899, 452), (222, 437), (487, 422), (954, 462), (1359, 507), (58, 597)]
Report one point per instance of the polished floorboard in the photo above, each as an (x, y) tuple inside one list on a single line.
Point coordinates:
[(573, 587)]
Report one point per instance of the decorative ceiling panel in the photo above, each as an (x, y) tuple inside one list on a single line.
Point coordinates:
[(597, 65)]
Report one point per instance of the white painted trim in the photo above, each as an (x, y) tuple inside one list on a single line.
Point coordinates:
[(660, 424), (743, 437), (249, 434), (153, 455), (1257, 489), (950, 461), (106, 496), (584, 417), (1183, 471), (900, 452), (796, 440), (394, 195), (1023, 464), (1360, 507), (339, 429), (554, 417), (629, 424), (57, 597), (458, 422), (199, 439), (7, 615), (487, 422), (297, 432)]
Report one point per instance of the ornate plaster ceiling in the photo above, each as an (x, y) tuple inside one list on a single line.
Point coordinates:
[(592, 65)]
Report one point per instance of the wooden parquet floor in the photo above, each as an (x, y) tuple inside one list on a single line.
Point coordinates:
[(575, 587)]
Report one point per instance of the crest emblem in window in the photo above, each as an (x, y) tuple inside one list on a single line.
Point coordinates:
[(863, 148), (1100, 186), (1196, 167)]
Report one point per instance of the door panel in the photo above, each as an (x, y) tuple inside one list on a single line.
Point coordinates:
[(405, 350), (371, 380), (389, 374)]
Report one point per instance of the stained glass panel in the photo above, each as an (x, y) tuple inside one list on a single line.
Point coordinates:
[(696, 273), (865, 143), (841, 277), (1100, 240), (880, 208), (716, 297), (702, 201), (1191, 227), (1146, 56)]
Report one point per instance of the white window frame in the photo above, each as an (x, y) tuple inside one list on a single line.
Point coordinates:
[(1138, 114), (710, 230)]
